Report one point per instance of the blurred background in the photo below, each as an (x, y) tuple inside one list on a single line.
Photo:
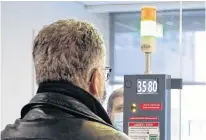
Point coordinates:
[(119, 24)]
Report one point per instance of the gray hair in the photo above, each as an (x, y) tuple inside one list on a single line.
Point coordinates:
[(67, 50), (116, 93)]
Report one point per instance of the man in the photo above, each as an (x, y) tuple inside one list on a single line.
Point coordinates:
[(115, 108), (69, 59)]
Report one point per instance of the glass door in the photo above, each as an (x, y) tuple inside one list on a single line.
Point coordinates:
[(193, 113)]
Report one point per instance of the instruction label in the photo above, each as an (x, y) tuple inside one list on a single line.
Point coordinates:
[(144, 118), (155, 106), (144, 130)]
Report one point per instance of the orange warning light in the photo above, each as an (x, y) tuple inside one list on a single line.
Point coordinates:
[(148, 13)]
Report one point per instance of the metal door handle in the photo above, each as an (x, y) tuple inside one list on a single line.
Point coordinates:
[(189, 128)]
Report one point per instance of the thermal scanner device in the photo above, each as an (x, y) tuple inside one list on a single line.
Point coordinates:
[(147, 97)]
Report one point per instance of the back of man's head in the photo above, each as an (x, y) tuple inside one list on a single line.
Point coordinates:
[(69, 50)]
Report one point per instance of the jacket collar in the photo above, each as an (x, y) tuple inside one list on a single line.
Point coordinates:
[(70, 97)]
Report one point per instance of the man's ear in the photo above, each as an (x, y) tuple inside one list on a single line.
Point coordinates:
[(95, 83)]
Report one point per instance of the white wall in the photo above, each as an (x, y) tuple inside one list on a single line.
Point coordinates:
[(18, 20)]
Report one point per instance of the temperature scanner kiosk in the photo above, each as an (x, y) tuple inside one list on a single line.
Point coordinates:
[(147, 97)]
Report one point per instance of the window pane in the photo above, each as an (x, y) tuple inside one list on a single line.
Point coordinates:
[(200, 49), (128, 58)]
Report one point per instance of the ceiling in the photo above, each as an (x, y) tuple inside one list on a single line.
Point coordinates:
[(92, 3), (132, 6)]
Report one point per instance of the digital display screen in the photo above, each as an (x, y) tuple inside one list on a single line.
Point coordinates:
[(147, 86)]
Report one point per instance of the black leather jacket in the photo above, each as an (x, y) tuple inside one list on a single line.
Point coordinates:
[(62, 111)]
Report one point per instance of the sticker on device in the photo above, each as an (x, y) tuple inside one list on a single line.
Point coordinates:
[(144, 130), (143, 118), (151, 106)]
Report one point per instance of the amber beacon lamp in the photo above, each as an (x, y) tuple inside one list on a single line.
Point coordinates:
[(148, 34)]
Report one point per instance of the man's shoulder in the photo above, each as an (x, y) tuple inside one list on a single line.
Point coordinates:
[(72, 128), (104, 132)]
